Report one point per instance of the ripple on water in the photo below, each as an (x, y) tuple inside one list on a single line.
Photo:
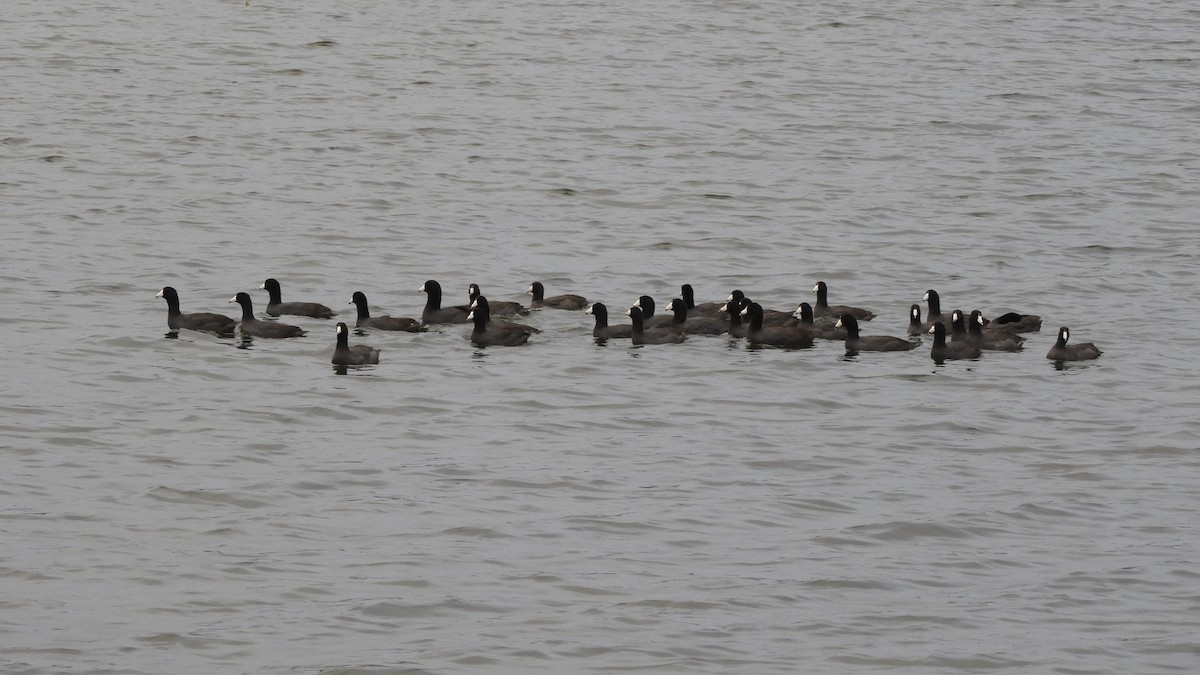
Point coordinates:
[(237, 505)]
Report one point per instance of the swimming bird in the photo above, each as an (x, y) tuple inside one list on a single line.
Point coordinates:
[(694, 325), (942, 350), (688, 294), (496, 307), (250, 325), (649, 318), (488, 333), (779, 336), (365, 320), (771, 317), (358, 355), (276, 306), (826, 328), (434, 312), (603, 329), (640, 335), (990, 339), (566, 301), (492, 321), (915, 326), (855, 342), (734, 309), (822, 307), (1013, 322), (1061, 351), (957, 330), (201, 321), (934, 314)]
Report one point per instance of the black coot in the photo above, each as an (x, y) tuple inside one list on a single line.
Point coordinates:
[(493, 322), (694, 325), (640, 335), (358, 355), (250, 325), (1061, 351), (989, 338), (488, 333), (566, 301), (276, 306), (822, 308), (771, 317), (434, 312), (649, 318), (958, 326), (734, 309), (933, 314), (602, 329), (915, 327), (365, 320), (202, 321), (942, 350), (778, 336), (688, 294), (871, 343), (496, 307), (826, 328), (1013, 322)]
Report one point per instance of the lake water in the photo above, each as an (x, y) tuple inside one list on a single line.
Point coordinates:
[(204, 505)]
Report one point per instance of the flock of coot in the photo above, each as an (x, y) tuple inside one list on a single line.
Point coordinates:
[(955, 336)]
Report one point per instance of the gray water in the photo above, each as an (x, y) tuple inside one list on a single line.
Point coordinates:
[(201, 505)]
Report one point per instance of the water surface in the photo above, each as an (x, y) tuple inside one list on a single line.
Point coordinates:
[(200, 504)]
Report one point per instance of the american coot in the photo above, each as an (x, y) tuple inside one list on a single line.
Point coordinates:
[(554, 301), (434, 312), (871, 343), (496, 307), (1012, 322), (276, 306), (734, 310), (778, 336), (250, 325), (493, 322), (934, 314), (365, 320), (771, 317), (1061, 351), (942, 350), (649, 318), (688, 294), (640, 335), (990, 339), (695, 325), (915, 327), (345, 355), (602, 329), (958, 326), (202, 321), (488, 333), (826, 328), (822, 307)]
